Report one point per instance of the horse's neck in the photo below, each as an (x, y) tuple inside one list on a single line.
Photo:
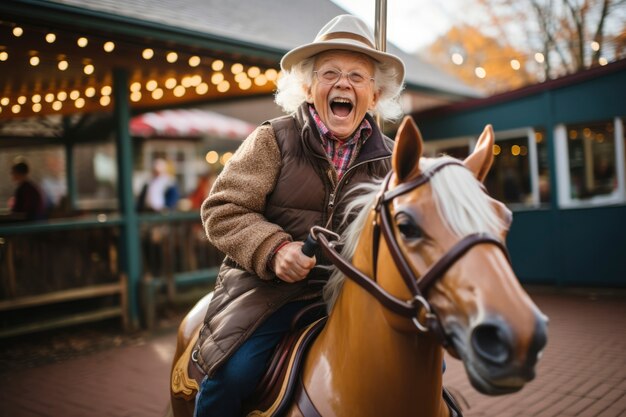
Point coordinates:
[(359, 365)]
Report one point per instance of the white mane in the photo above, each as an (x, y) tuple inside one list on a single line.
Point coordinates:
[(459, 199)]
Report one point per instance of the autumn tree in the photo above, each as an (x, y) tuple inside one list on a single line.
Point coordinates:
[(550, 37), (480, 60)]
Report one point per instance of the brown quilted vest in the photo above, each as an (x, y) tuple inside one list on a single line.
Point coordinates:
[(301, 199)]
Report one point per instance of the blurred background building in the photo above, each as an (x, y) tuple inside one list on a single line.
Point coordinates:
[(92, 93)]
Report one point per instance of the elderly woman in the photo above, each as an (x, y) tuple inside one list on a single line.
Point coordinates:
[(292, 173)]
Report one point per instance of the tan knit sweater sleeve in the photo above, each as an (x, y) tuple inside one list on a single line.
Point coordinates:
[(232, 214)]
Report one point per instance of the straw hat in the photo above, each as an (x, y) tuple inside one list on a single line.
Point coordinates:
[(348, 33)]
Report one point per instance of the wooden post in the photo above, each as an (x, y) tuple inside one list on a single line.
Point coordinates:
[(131, 253)]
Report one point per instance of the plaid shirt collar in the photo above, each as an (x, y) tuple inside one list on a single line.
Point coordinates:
[(341, 153)]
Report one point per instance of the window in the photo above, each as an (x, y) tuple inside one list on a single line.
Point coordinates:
[(520, 174), (591, 163), (95, 168)]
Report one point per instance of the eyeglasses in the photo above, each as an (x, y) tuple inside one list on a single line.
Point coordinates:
[(331, 76)]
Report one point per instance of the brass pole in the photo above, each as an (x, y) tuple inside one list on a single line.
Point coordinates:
[(380, 33)]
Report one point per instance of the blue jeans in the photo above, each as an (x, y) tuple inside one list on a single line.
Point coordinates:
[(223, 394)]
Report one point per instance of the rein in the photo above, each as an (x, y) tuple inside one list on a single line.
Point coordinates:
[(409, 308)]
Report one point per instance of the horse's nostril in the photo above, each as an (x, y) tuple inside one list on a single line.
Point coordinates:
[(491, 343)]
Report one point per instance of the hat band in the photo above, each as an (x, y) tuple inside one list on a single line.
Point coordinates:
[(344, 35)]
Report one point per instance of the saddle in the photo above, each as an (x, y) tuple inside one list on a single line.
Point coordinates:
[(276, 387)]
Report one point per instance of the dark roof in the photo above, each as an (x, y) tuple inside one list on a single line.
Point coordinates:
[(274, 24), (527, 91)]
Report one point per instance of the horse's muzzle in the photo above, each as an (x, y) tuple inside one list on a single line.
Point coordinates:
[(492, 365)]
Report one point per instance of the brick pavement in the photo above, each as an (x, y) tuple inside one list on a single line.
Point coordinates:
[(582, 373)]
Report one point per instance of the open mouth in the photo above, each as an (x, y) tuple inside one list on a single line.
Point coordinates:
[(341, 107)]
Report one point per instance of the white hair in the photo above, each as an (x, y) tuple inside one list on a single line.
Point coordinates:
[(293, 86)]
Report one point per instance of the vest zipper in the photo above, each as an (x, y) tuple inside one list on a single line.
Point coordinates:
[(335, 192)]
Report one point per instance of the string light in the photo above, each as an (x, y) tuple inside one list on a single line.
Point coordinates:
[(261, 80), (63, 65), (82, 42), (515, 64), (89, 69), (457, 58), (236, 68), (480, 72), (217, 78), (108, 46), (217, 65), (179, 91), (245, 84), (157, 94), (253, 72), (4, 55), (271, 74), (51, 37), (170, 83), (223, 87), (194, 61), (34, 60), (202, 88), (147, 53), (171, 57), (212, 157), (151, 85), (17, 31)]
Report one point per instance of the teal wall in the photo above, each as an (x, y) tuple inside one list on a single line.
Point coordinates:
[(568, 247)]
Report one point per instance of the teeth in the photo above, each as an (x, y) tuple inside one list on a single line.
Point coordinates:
[(341, 100)]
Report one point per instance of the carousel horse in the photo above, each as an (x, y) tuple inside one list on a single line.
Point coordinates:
[(423, 268)]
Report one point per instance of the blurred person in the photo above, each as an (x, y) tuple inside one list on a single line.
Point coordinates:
[(200, 193), (28, 200), (290, 174), (54, 185), (160, 192)]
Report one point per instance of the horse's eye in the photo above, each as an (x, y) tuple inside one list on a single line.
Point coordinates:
[(407, 227)]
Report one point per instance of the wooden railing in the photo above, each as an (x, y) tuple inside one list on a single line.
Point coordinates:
[(47, 271), (66, 272)]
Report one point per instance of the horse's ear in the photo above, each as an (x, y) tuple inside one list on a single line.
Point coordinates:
[(479, 161), (407, 150)]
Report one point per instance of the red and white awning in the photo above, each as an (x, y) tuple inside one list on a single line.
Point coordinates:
[(188, 123)]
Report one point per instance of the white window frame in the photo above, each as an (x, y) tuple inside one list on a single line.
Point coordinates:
[(533, 161), (431, 146), (563, 170)]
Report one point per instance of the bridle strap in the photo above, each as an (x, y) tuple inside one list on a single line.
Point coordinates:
[(454, 254), (400, 307)]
